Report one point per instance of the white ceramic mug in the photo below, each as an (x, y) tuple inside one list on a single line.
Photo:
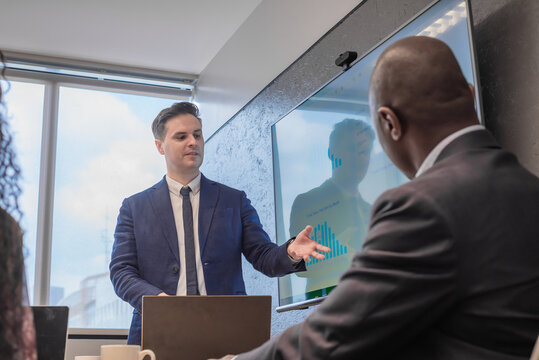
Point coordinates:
[(124, 352), (87, 357)]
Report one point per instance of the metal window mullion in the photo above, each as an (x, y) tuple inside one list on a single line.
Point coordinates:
[(46, 194), (104, 85)]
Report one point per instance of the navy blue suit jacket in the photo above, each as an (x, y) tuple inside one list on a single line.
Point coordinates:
[(145, 255)]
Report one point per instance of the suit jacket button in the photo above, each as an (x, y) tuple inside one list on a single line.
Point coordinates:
[(206, 263), (175, 269)]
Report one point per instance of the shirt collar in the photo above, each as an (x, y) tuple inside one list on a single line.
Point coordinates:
[(175, 187), (435, 152)]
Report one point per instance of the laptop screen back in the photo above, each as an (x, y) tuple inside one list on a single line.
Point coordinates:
[(202, 327), (51, 331)]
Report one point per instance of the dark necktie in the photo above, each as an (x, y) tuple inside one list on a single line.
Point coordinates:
[(189, 237)]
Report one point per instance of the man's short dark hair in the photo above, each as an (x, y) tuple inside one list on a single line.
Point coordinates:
[(180, 108), (342, 131)]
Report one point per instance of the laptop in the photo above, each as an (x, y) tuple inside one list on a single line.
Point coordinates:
[(202, 327), (50, 323)]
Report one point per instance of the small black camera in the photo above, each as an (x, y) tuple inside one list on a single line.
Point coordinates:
[(345, 59)]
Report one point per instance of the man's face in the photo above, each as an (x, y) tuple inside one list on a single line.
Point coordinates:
[(355, 151), (183, 144)]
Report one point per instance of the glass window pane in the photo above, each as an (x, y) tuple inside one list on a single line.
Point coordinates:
[(105, 152), (24, 103)]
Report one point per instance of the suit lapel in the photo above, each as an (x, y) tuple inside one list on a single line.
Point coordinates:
[(209, 194), (162, 206)]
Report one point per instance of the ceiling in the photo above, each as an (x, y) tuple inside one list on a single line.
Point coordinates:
[(174, 35)]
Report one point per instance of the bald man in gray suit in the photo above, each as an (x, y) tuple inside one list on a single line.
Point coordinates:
[(450, 264)]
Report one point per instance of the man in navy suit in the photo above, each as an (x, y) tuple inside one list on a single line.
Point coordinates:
[(185, 235)]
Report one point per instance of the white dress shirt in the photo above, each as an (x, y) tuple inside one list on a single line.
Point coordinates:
[(435, 152), (176, 200)]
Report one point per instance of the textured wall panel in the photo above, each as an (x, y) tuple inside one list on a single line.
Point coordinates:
[(507, 43), (239, 154)]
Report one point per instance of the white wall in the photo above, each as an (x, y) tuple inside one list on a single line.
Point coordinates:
[(180, 36), (271, 39)]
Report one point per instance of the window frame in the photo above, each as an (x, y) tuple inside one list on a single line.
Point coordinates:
[(47, 168)]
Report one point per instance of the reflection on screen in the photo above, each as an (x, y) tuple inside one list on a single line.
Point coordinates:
[(328, 165), (335, 208)]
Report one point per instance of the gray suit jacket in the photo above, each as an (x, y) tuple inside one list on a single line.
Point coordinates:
[(449, 269)]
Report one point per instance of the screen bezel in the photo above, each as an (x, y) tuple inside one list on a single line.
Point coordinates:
[(301, 305)]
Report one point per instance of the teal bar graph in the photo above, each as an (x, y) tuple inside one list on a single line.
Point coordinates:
[(335, 161), (323, 235)]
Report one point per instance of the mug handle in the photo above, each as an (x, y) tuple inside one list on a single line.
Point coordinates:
[(148, 352)]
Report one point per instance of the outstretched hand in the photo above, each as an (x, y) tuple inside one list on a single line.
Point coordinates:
[(303, 247)]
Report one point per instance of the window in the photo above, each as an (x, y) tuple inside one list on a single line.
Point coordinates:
[(105, 152), (24, 104), (83, 140)]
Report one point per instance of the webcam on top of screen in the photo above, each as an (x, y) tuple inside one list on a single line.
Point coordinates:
[(345, 59)]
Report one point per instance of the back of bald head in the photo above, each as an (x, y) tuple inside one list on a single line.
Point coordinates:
[(420, 79)]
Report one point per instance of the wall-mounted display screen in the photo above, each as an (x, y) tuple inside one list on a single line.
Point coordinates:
[(328, 165)]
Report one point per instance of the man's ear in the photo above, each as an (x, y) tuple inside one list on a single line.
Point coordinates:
[(390, 123), (159, 146)]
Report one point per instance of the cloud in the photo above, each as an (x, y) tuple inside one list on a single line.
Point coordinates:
[(117, 153), (99, 261), (25, 116), (126, 168), (97, 117)]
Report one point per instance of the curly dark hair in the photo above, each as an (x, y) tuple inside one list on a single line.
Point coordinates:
[(11, 254), (11, 288), (9, 170)]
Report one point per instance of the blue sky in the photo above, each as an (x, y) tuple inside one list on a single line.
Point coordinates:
[(105, 152)]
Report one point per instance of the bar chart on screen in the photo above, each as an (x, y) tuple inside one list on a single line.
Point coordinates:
[(323, 235)]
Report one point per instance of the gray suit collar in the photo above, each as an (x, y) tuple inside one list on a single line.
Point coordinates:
[(481, 139)]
